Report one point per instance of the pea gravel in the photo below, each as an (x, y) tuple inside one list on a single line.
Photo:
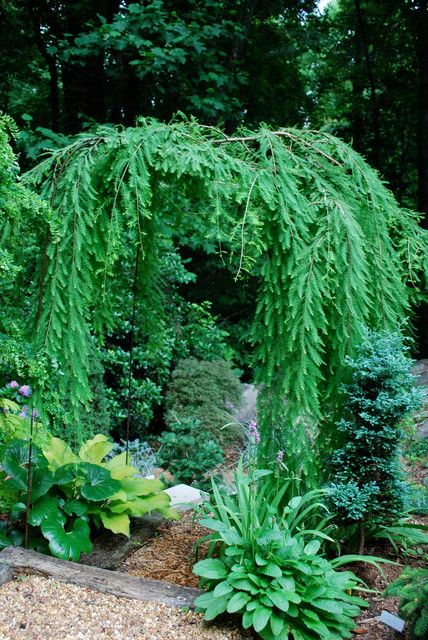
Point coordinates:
[(44, 609)]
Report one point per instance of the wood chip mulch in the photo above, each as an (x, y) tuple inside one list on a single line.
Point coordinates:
[(170, 555)]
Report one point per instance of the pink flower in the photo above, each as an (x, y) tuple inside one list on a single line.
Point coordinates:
[(253, 432), (13, 384), (25, 390)]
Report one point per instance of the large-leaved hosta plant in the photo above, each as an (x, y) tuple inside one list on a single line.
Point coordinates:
[(69, 491)]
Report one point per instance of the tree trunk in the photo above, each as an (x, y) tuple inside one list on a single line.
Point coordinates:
[(360, 34), (51, 64), (423, 109)]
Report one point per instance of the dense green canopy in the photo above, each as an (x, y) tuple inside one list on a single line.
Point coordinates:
[(333, 250)]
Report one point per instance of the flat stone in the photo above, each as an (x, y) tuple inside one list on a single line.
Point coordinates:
[(184, 497)]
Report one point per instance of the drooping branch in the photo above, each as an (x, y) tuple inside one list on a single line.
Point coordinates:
[(301, 208)]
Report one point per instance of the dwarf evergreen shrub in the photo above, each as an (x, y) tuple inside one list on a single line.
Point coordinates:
[(367, 477), (206, 391)]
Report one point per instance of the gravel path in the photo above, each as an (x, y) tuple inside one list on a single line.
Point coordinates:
[(38, 608)]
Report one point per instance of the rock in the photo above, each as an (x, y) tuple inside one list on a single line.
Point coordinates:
[(420, 366), (422, 378), (6, 573), (248, 408), (183, 496)]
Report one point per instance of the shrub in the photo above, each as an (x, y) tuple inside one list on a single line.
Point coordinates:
[(141, 455), (206, 391), (412, 589), (188, 453), (367, 477), (268, 566), (70, 491)]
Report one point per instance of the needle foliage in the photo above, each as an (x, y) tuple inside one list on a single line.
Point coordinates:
[(300, 209)]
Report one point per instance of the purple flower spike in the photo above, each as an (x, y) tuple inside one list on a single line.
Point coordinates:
[(22, 414), (280, 456), (25, 390), (35, 414), (253, 432), (13, 384)]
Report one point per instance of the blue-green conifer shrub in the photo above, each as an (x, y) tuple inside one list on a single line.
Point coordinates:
[(367, 483)]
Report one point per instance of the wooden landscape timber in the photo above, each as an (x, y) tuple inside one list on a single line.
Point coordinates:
[(16, 560)]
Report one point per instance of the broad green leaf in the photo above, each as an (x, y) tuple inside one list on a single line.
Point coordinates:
[(260, 560), (116, 522), (241, 582), (67, 545), (45, 508), (247, 619), (212, 568), (98, 484), (96, 449), (312, 547), (15, 460), (238, 602), (332, 606), (118, 467), (231, 537), (59, 454), (213, 524), (204, 600), (276, 623), (272, 570), (77, 507), (67, 473), (233, 551), (279, 599), (138, 487), (287, 583), (295, 502), (222, 589), (216, 607), (261, 617)]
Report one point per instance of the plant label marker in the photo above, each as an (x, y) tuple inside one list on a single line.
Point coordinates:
[(392, 621)]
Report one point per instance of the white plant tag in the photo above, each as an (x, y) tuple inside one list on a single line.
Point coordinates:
[(392, 621)]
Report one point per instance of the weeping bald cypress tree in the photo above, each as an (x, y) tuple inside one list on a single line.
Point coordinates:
[(333, 250)]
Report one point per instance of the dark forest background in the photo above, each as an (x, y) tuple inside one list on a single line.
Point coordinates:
[(359, 69)]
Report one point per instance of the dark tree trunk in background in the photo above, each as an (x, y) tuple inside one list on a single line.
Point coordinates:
[(422, 25), (84, 86), (363, 45), (51, 64)]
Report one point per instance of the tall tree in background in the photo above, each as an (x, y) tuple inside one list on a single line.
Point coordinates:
[(109, 61), (421, 11)]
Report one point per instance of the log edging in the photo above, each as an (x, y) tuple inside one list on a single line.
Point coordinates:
[(15, 560)]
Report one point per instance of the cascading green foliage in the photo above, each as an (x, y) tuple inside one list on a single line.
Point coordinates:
[(333, 249)]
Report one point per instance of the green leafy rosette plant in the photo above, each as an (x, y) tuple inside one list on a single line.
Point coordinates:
[(69, 492), (265, 564)]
